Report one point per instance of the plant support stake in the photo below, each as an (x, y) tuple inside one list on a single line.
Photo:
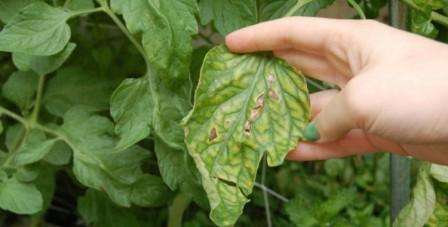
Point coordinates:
[(400, 167)]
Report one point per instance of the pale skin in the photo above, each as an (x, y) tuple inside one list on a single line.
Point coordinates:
[(394, 85)]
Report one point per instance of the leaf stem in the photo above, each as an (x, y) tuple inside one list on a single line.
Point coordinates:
[(358, 9), (37, 104), (265, 194), (125, 31), (87, 11), (297, 6), (177, 209), (271, 192), (435, 16), (14, 116)]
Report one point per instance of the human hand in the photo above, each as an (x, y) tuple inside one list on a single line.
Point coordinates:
[(394, 85)]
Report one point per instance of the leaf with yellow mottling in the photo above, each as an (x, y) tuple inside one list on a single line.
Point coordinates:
[(245, 106)]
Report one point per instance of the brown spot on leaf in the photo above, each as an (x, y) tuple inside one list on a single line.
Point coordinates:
[(247, 127), (273, 95), (213, 134), (271, 79)]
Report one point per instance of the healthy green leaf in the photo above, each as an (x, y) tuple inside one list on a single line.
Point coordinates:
[(421, 24), (97, 210), (35, 147), (131, 107), (9, 8), (80, 4), (419, 209), (96, 163), (60, 154), (20, 198), (43, 65), (439, 172), (228, 15), (39, 29), (166, 28), (74, 86), (245, 106), (150, 191), (20, 89)]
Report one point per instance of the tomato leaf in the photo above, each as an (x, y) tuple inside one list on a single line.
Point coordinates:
[(38, 29), (245, 106), (20, 198), (20, 89)]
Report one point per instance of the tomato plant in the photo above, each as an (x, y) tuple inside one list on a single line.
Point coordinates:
[(133, 113)]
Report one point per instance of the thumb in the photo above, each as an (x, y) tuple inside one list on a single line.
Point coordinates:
[(333, 122)]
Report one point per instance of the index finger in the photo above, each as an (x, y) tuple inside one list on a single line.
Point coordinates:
[(308, 34)]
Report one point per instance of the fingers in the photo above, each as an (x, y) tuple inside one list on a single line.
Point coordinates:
[(356, 142), (301, 33), (321, 99), (333, 122), (313, 65)]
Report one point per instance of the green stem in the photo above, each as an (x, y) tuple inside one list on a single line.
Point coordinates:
[(14, 116), (123, 28), (16, 148), (177, 209), (37, 104), (265, 194), (435, 16), (358, 9), (66, 3), (87, 11), (297, 6)]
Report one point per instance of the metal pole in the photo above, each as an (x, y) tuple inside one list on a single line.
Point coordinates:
[(400, 179)]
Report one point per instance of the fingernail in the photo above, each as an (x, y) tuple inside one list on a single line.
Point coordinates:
[(311, 133)]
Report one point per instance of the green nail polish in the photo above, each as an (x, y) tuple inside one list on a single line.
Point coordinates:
[(311, 133)]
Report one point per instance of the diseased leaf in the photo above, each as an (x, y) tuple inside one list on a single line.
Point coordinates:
[(245, 106), (38, 29), (131, 107), (20, 198), (417, 212), (9, 8), (74, 86), (43, 65), (20, 89)]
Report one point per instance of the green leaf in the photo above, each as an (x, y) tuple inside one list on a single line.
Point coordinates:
[(228, 15), (166, 28), (74, 86), (46, 184), (131, 107), (35, 147), (60, 154), (43, 65), (171, 108), (20, 89), (9, 8), (96, 163), (245, 106), (80, 4), (421, 24), (97, 210), (20, 198), (439, 172), (39, 29), (150, 191), (419, 209)]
